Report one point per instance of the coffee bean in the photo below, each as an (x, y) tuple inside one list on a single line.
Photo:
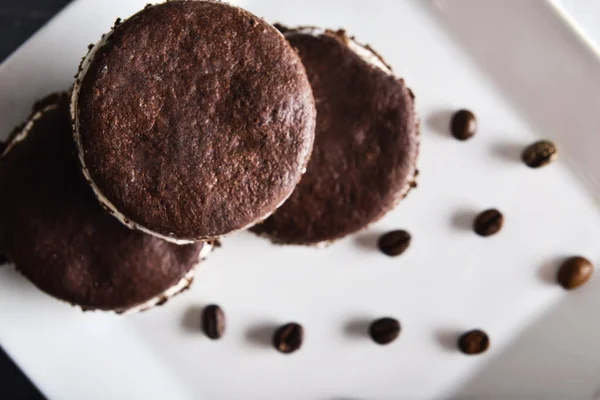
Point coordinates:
[(539, 154), (473, 342), (394, 243), (288, 338), (488, 222), (213, 321), (464, 125), (574, 272), (384, 330)]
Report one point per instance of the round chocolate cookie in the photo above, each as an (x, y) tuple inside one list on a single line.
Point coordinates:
[(56, 233), (366, 142), (193, 119)]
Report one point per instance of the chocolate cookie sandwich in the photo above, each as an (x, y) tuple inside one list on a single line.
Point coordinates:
[(57, 235), (366, 142), (192, 119)]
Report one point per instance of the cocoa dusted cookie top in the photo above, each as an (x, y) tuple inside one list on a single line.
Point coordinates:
[(195, 119), (366, 142), (57, 234)]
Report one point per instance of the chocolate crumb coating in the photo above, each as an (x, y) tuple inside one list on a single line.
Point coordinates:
[(365, 150), (56, 233), (196, 119)]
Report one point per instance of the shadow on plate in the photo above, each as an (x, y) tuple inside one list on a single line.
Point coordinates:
[(439, 122), (192, 318), (507, 151), (358, 328), (462, 220), (368, 240), (261, 334), (547, 271), (447, 338)]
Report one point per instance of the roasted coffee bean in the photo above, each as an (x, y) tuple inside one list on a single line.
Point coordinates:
[(574, 272), (464, 125), (394, 243), (488, 222), (288, 338), (539, 154), (474, 342), (213, 321), (384, 330)]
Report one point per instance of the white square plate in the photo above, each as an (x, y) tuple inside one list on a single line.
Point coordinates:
[(527, 75)]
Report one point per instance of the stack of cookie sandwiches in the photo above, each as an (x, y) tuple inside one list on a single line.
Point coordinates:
[(186, 122)]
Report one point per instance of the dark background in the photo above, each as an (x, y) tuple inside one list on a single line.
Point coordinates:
[(19, 19)]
